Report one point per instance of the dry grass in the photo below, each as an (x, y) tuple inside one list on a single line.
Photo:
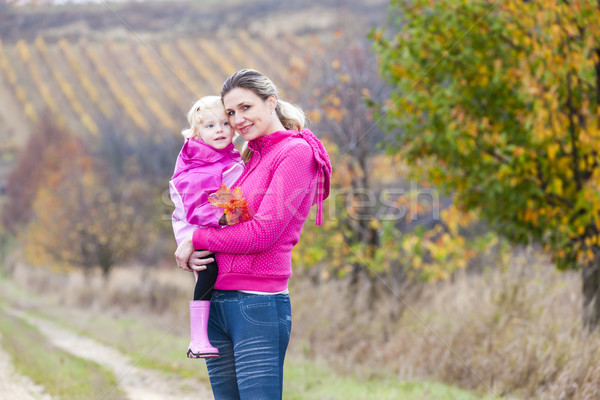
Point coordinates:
[(514, 330), (161, 292), (61, 374), (511, 331)]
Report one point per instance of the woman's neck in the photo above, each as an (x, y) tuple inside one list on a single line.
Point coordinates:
[(275, 127)]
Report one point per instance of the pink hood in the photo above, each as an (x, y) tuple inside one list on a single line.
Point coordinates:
[(320, 156), (324, 170)]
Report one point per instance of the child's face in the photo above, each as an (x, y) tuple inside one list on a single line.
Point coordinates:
[(215, 129)]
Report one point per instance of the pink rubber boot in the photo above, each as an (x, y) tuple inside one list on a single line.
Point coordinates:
[(200, 346)]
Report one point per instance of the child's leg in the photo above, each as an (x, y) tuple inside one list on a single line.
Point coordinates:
[(200, 346), (205, 282)]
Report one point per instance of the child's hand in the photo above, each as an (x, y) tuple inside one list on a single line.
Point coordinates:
[(234, 205), (229, 219), (232, 219)]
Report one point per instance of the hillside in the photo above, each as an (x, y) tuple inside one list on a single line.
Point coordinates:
[(174, 17), (136, 68), (143, 86)]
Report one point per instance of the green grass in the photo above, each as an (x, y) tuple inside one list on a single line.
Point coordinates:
[(159, 348), (63, 375), (309, 380), (304, 379), (154, 347)]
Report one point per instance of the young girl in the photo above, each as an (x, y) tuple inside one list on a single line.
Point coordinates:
[(207, 159)]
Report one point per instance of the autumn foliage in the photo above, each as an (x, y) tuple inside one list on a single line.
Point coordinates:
[(379, 222), (41, 154), (65, 210), (499, 101), (233, 203)]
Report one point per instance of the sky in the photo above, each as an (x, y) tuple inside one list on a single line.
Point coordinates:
[(62, 2)]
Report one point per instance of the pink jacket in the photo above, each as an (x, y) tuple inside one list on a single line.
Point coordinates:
[(288, 173), (199, 171)]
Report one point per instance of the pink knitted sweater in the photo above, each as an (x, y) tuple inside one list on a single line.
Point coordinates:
[(288, 173)]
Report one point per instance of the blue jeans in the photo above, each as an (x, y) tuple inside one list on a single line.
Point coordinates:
[(252, 333)]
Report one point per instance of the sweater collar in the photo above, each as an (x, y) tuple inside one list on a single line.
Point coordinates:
[(196, 151), (265, 143), (195, 154)]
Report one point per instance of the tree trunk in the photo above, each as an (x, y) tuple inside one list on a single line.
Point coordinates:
[(591, 294)]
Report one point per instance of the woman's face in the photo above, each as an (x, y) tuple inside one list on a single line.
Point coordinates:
[(250, 115)]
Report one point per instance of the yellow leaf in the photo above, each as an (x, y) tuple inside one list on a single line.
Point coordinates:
[(558, 186), (552, 150)]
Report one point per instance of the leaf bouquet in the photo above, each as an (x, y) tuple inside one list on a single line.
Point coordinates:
[(235, 206)]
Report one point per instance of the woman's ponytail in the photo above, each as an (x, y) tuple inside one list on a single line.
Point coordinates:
[(292, 117)]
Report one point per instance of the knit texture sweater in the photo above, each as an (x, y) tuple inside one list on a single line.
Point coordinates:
[(288, 173)]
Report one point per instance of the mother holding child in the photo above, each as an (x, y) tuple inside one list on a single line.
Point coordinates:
[(286, 171)]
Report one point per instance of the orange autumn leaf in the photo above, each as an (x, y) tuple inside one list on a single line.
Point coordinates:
[(233, 203)]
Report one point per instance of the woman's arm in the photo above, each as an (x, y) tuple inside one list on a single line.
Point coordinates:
[(292, 180)]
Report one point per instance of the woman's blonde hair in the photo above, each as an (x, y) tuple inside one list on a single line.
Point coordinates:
[(291, 116), (194, 116)]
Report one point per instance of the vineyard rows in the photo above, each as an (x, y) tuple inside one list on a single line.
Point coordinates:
[(141, 88)]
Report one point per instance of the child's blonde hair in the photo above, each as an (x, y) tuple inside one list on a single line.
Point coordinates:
[(195, 114)]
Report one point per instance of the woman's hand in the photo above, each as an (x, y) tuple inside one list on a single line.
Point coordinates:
[(190, 260), (183, 252), (198, 260)]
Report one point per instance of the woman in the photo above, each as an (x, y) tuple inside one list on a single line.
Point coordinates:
[(288, 170)]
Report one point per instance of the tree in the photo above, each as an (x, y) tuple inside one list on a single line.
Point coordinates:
[(499, 103), (39, 156), (80, 223), (138, 171), (337, 100), (376, 222), (76, 218)]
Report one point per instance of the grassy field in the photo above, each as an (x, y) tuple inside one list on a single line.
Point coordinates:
[(163, 349), (514, 330), (310, 380), (63, 375)]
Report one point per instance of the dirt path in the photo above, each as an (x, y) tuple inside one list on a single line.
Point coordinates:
[(14, 386), (138, 383)]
